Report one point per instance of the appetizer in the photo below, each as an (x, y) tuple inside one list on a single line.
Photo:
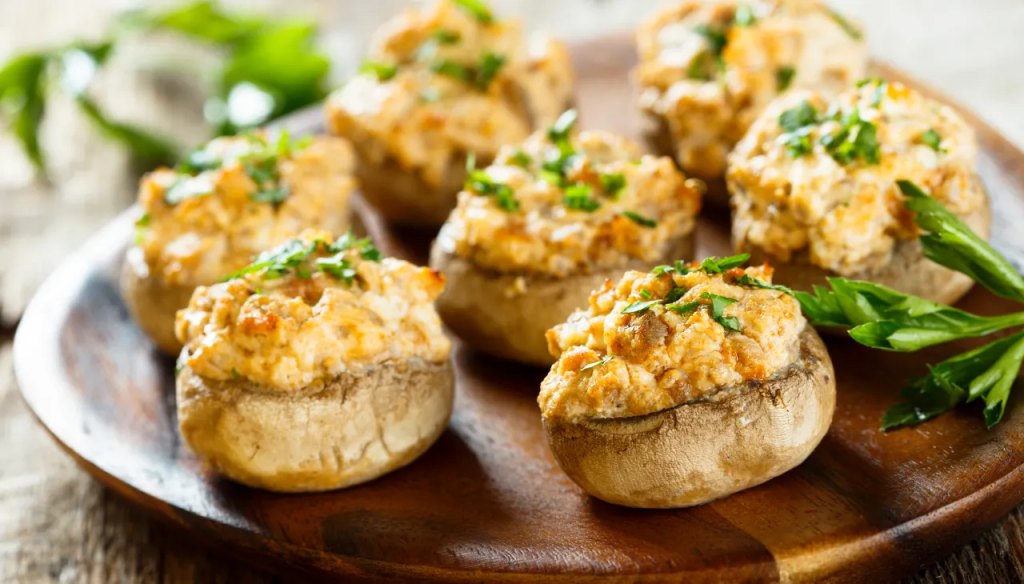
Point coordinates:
[(440, 84), (814, 187), (546, 223), (318, 366), (209, 216), (707, 69), (685, 384)]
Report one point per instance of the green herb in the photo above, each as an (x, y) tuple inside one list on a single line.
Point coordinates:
[(613, 183), (701, 67), (446, 37), (198, 161), (234, 373), (675, 294), (645, 294), (798, 143), (480, 182), (452, 69), (278, 261), (718, 304), (948, 241), (932, 139), (714, 265), (744, 16), (561, 131), (752, 282), (144, 220), (382, 71), (140, 227), (275, 195), (265, 61), (714, 36), (578, 198), (520, 158), (784, 77), (480, 76), (490, 65), (639, 219), (477, 9), (640, 307), (986, 373), (846, 25), (685, 308), (292, 256), (804, 114), (855, 139), (597, 363)]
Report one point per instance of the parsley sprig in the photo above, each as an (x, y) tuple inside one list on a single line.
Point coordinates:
[(853, 137), (294, 256), (882, 318)]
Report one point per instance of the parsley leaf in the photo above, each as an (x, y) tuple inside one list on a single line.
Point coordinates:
[(639, 219), (477, 9), (932, 139), (718, 304), (598, 363), (948, 241), (481, 183), (846, 25), (578, 198), (855, 139), (521, 159), (382, 71), (784, 77), (744, 16), (685, 308), (560, 132), (714, 265), (804, 114), (640, 306), (613, 183)]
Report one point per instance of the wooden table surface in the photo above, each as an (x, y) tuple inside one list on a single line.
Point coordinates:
[(58, 525)]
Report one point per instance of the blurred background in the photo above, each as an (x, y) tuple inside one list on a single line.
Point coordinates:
[(56, 524)]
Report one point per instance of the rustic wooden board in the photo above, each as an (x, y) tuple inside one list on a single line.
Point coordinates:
[(488, 501)]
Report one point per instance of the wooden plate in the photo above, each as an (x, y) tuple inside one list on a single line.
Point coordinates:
[(487, 501)]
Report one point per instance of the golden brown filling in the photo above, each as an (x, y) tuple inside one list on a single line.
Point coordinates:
[(235, 197), (707, 69), (818, 175), (312, 309), (448, 81), (564, 203), (654, 340)]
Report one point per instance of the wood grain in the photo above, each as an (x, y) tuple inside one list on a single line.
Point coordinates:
[(488, 499)]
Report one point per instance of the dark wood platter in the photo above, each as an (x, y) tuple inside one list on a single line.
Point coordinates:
[(488, 502)]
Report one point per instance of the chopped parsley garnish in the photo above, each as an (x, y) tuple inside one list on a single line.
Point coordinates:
[(784, 77), (639, 219), (197, 161), (675, 294), (477, 9), (685, 308), (744, 16), (521, 159), (752, 282), (578, 198), (560, 132), (275, 195), (715, 37), (645, 294), (480, 76), (856, 138), (798, 117), (613, 183), (382, 71), (640, 306), (846, 25), (143, 220), (718, 304), (798, 142), (932, 139), (715, 265), (597, 363), (445, 36), (480, 182), (293, 255), (710, 265)]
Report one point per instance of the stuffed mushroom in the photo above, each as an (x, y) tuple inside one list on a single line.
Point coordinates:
[(440, 84), (548, 222), (814, 187), (685, 384), (707, 69), (320, 365), (226, 202)]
